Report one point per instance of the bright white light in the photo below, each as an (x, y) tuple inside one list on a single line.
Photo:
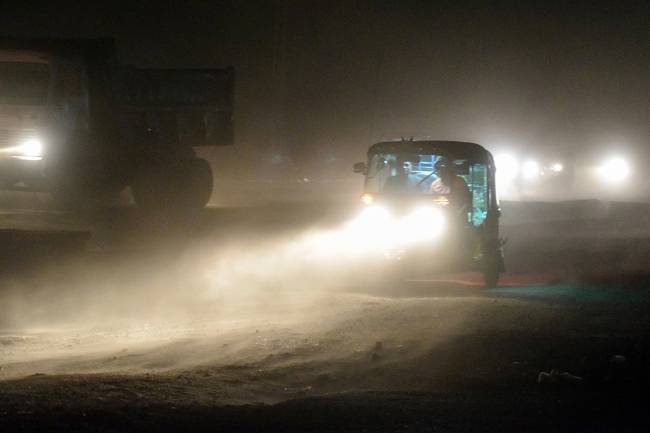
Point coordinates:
[(425, 222), (530, 169), (614, 170), (32, 147), (372, 221), (557, 167), (375, 213), (507, 167), (375, 227)]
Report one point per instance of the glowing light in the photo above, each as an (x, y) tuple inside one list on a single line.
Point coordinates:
[(507, 167), (615, 170), (367, 199), (371, 221), (31, 148), (441, 200), (557, 167), (530, 170), (375, 227), (425, 222)]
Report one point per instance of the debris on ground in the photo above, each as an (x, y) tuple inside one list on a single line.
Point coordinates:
[(618, 360), (558, 377)]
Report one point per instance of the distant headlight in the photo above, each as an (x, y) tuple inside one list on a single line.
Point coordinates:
[(507, 167), (614, 170), (556, 167), (530, 170)]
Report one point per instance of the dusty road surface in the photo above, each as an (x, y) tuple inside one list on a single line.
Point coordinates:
[(247, 319)]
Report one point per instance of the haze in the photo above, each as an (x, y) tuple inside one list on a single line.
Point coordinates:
[(317, 82)]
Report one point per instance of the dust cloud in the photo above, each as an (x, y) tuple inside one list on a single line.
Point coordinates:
[(149, 284), (179, 303)]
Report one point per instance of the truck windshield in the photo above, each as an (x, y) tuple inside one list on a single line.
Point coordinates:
[(24, 83)]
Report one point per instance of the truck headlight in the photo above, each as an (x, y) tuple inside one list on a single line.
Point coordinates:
[(30, 149)]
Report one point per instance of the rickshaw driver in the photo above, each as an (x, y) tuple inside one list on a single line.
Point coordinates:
[(452, 186), (460, 199), (404, 181)]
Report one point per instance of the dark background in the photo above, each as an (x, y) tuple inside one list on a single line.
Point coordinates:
[(318, 81)]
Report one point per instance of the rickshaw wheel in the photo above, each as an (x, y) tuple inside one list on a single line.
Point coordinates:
[(491, 269)]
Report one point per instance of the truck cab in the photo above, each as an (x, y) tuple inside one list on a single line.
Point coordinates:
[(77, 123), (26, 87)]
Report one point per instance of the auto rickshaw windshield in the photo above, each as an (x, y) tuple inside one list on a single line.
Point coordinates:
[(429, 174)]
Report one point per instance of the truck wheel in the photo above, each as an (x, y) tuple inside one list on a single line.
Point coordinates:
[(186, 185), (200, 183)]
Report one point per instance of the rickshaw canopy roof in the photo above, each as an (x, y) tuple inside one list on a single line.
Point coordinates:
[(458, 149)]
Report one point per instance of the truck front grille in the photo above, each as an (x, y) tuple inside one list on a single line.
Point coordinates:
[(4, 137), (13, 137)]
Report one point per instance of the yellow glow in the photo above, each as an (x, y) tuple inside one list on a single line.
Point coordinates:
[(442, 201), (367, 199)]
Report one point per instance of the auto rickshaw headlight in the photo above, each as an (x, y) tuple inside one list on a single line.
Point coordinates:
[(424, 222), (367, 199), (441, 201), (375, 212), (372, 219)]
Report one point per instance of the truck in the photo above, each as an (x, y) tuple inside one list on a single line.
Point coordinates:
[(78, 124)]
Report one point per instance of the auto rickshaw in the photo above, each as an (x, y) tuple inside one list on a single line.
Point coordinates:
[(435, 205)]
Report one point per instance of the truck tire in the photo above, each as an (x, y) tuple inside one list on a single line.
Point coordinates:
[(198, 192), (181, 186)]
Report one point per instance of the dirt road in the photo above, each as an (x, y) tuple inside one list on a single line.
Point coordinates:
[(426, 355)]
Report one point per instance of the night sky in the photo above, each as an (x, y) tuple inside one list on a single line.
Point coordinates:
[(318, 81)]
